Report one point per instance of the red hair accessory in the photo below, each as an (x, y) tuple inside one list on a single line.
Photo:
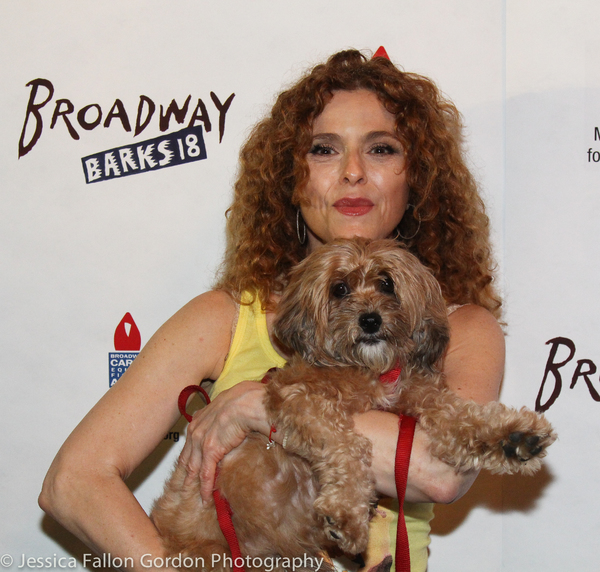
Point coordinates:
[(381, 53)]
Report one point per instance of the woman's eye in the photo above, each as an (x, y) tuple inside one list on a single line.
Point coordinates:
[(340, 290), (320, 149), (386, 285), (383, 149)]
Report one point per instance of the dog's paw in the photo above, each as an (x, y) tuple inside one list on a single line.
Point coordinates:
[(504, 440), (523, 446), (350, 535), (332, 530), (344, 523)]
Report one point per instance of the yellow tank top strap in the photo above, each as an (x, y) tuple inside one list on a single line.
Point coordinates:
[(251, 353)]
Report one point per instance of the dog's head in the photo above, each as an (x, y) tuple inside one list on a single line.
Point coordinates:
[(363, 303)]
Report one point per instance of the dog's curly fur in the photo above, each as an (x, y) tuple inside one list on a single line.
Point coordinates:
[(351, 311)]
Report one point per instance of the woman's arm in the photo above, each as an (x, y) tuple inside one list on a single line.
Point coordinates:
[(474, 367), (84, 488)]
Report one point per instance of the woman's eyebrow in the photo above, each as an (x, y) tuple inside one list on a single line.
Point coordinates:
[(373, 135), (326, 137)]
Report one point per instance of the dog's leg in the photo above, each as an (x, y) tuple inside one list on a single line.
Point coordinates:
[(315, 416), (341, 463), (271, 493), (468, 436), (347, 492)]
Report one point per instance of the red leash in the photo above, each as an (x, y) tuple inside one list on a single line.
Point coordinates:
[(403, 449), (224, 512), (185, 394)]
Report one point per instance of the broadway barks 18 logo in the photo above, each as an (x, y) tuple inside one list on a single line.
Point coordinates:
[(169, 150)]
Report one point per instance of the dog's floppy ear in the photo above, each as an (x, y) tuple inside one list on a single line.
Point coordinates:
[(421, 296), (431, 338), (293, 326), (302, 312), (432, 332)]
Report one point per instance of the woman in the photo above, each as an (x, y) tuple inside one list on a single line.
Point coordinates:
[(354, 148)]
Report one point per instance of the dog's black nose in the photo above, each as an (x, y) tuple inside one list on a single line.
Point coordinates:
[(370, 323)]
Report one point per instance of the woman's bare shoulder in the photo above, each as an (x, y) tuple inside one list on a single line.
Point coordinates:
[(216, 305), (203, 327), (189, 347), (474, 364), (472, 317)]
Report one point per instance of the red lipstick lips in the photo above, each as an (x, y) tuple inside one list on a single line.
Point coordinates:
[(353, 207)]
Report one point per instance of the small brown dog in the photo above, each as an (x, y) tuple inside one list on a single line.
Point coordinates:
[(351, 311)]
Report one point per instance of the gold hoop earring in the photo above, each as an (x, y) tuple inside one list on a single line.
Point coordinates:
[(301, 238), (399, 235)]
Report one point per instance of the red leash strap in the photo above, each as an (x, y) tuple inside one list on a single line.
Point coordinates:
[(224, 512), (185, 394), (403, 449)]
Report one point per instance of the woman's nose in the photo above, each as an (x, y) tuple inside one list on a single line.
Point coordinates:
[(353, 169)]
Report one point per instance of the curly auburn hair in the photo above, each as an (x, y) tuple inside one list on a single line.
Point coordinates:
[(447, 227)]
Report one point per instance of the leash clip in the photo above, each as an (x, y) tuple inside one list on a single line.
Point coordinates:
[(271, 443)]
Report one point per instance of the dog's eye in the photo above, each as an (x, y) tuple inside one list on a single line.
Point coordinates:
[(386, 285), (340, 290)]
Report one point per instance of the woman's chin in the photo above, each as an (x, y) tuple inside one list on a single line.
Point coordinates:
[(348, 233), (369, 233)]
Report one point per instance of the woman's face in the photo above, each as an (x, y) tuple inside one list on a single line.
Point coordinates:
[(357, 182)]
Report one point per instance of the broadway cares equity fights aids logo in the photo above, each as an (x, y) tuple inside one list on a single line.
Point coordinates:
[(128, 342)]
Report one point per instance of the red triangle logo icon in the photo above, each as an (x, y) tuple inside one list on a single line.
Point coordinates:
[(127, 335)]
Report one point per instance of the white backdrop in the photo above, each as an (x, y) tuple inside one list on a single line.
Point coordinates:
[(77, 257)]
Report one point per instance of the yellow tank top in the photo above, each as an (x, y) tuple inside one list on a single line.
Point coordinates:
[(250, 356), (251, 353)]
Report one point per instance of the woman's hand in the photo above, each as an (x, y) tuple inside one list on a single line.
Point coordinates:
[(220, 427)]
